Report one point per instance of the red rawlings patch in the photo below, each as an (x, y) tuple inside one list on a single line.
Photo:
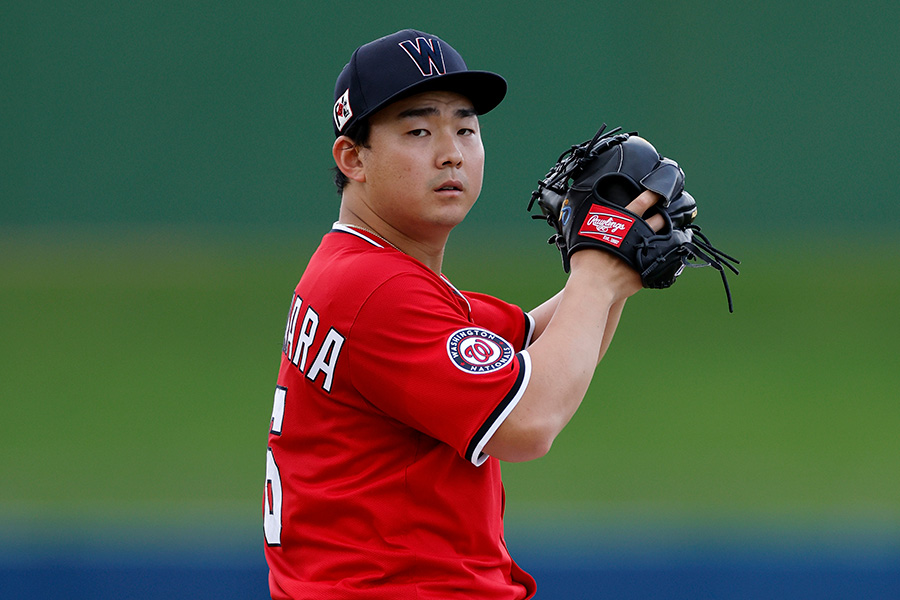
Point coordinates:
[(606, 224)]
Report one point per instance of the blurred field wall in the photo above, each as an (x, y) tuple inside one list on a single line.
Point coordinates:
[(165, 175)]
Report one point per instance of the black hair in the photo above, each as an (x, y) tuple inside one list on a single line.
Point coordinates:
[(359, 133)]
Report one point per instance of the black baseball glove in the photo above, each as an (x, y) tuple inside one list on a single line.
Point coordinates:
[(584, 196)]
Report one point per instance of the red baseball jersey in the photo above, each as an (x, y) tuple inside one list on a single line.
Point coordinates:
[(391, 383)]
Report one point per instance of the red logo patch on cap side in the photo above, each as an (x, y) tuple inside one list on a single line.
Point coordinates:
[(606, 224), (342, 110), (477, 350)]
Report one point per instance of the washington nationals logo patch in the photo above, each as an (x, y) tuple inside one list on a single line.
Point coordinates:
[(477, 350)]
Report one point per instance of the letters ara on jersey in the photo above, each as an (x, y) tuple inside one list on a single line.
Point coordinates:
[(477, 350), (300, 344)]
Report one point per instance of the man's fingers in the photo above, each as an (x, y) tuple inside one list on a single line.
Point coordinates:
[(642, 203), (656, 222)]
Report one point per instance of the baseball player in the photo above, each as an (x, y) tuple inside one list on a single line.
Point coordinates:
[(398, 395)]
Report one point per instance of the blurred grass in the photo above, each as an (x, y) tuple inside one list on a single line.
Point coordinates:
[(139, 366)]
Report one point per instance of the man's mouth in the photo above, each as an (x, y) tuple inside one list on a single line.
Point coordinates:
[(451, 186)]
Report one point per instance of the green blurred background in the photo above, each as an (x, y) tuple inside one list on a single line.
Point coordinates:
[(165, 177)]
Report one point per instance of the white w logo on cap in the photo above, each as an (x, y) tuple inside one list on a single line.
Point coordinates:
[(426, 54)]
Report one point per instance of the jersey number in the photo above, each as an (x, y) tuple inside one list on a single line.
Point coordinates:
[(272, 496)]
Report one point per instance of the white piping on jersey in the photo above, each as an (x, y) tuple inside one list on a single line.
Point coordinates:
[(531, 327), (457, 292), (349, 229), (478, 456)]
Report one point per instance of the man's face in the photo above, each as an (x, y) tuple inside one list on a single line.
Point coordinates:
[(424, 164)]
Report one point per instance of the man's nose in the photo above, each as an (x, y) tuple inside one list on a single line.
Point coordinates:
[(450, 154)]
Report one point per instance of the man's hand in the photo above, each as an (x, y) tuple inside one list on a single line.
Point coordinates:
[(622, 279)]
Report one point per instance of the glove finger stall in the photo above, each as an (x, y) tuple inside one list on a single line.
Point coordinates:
[(667, 180)]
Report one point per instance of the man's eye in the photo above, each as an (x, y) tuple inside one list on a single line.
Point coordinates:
[(466, 132), (418, 132)]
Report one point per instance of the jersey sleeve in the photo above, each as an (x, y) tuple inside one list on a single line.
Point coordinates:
[(506, 319), (415, 355)]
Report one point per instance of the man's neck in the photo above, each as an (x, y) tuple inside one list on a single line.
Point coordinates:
[(428, 252)]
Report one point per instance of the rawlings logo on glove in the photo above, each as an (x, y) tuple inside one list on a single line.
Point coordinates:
[(593, 182), (606, 225)]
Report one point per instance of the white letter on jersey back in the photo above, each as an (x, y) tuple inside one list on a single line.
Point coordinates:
[(288, 347), (326, 359), (305, 339)]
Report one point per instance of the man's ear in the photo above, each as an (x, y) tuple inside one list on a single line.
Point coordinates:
[(346, 157)]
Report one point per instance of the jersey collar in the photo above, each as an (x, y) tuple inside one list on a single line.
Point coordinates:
[(375, 241)]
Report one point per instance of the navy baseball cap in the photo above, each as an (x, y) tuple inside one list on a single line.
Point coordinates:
[(403, 64)]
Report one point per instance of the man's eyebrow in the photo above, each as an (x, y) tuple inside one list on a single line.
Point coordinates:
[(431, 111)]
